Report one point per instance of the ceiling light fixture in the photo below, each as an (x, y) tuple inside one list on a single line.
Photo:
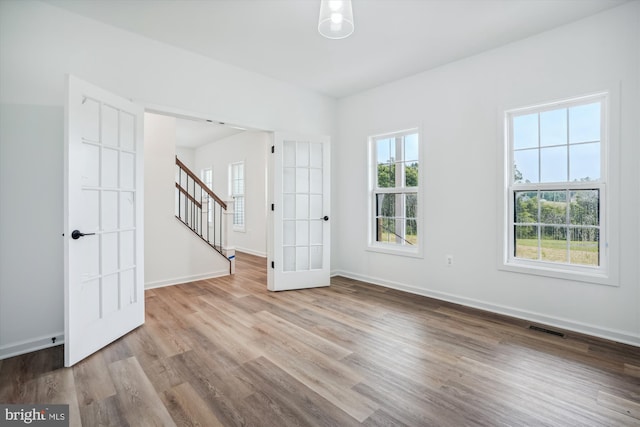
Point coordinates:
[(336, 19)]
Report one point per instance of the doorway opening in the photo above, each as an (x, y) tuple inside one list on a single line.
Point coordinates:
[(229, 159)]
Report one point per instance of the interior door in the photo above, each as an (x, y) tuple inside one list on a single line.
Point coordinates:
[(103, 238), (299, 249)]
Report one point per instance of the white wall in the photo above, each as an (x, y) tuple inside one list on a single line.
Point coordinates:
[(173, 254), (459, 108), (31, 269), (188, 157), (251, 148), (39, 44)]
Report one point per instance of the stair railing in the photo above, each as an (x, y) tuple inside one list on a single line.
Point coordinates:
[(202, 211)]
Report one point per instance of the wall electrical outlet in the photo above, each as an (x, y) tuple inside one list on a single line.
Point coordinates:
[(449, 260)]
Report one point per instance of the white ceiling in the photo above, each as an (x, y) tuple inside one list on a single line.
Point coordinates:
[(393, 38), (195, 133), (279, 38)]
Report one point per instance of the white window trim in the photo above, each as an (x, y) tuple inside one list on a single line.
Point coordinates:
[(388, 248), (210, 204), (235, 227), (607, 272)]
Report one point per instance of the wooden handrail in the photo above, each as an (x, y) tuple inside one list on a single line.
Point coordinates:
[(200, 183), (200, 217), (189, 196)]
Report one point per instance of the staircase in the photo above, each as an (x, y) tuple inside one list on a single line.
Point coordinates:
[(203, 212)]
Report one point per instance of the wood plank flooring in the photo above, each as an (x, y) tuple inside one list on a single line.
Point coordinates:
[(226, 352)]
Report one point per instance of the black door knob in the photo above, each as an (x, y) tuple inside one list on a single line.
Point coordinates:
[(326, 218), (76, 234)]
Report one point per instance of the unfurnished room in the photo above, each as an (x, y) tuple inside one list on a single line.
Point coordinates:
[(320, 212)]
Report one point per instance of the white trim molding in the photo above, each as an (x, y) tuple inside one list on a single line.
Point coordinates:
[(570, 325), (22, 347), (261, 254), (185, 279)]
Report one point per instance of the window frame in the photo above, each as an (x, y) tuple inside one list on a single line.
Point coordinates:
[(373, 245), (209, 183), (235, 196), (600, 274)]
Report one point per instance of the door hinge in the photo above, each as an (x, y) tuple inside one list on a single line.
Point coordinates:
[(273, 207), (273, 264), (273, 149)]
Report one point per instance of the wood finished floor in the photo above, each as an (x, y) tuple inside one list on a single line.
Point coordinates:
[(226, 352)]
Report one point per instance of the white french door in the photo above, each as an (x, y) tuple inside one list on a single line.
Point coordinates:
[(104, 264), (299, 247)]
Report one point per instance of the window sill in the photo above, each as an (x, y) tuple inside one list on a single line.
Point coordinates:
[(239, 229), (399, 251), (557, 272)]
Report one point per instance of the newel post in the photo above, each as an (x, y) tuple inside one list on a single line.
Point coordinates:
[(228, 250)]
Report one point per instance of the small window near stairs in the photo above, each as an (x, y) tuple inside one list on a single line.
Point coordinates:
[(206, 175), (236, 182)]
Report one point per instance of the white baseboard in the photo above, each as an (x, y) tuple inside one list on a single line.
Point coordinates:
[(185, 279), (22, 347), (251, 252), (570, 325)]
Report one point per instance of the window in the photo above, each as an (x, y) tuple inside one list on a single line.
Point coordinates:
[(206, 176), (394, 192), (556, 186), (236, 181)]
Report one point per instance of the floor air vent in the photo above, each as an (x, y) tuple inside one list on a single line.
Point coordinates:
[(546, 331)]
